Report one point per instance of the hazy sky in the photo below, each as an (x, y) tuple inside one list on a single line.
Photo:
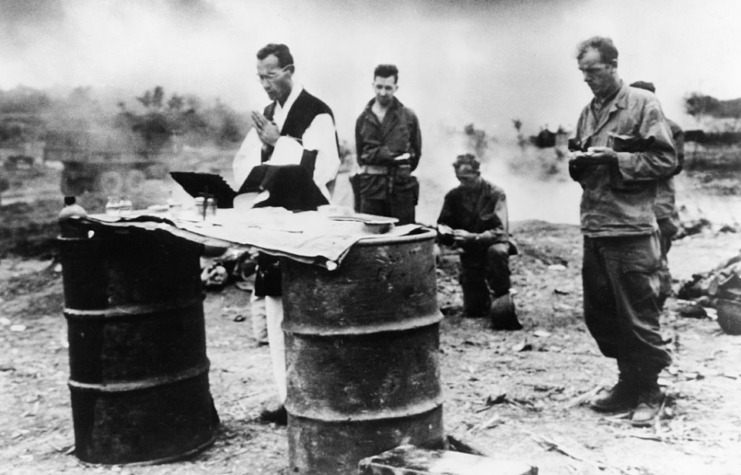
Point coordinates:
[(482, 62), (460, 61)]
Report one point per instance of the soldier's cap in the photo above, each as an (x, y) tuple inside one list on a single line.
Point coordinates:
[(648, 86)]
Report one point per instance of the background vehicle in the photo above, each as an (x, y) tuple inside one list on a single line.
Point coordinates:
[(109, 162)]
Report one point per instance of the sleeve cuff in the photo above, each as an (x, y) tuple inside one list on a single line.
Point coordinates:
[(287, 152), (625, 165)]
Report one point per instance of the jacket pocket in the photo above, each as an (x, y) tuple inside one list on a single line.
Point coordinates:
[(618, 184)]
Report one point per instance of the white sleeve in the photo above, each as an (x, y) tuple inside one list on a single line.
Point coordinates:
[(248, 157), (320, 136)]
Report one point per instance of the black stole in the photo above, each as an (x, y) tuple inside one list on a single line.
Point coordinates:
[(291, 186)]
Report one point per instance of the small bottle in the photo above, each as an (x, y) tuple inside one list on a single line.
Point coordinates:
[(201, 207), (71, 210), (210, 208), (125, 207), (113, 206)]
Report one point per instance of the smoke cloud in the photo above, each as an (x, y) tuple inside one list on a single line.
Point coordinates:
[(461, 62)]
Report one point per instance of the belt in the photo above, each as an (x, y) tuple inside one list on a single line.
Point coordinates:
[(375, 169)]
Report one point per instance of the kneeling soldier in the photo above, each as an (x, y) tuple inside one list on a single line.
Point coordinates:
[(474, 218)]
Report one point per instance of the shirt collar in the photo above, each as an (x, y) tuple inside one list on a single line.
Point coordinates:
[(612, 98), (295, 91), (395, 104)]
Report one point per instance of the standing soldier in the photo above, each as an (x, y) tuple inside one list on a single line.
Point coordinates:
[(389, 146), (625, 147), (665, 206)]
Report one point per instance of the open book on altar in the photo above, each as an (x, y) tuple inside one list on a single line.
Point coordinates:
[(288, 186)]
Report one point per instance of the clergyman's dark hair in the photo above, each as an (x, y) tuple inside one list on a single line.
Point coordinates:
[(280, 51), (607, 50), (386, 71)]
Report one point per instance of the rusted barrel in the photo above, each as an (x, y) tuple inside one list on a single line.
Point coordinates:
[(137, 347), (362, 346)]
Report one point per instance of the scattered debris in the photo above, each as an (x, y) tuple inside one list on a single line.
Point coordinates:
[(569, 448), (544, 388), (247, 286), (691, 309), (466, 447), (499, 425), (492, 422), (692, 227), (498, 399), (524, 404), (641, 435), (583, 398), (231, 266), (723, 282), (712, 313), (448, 310), (693, 376), (524, 346)]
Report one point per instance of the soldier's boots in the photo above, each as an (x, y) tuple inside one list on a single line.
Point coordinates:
[(621, 397), (648, 408), (645, 400)]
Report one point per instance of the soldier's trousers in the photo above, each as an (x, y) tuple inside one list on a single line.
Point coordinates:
[(397, 203), (668, 229), (484, 274), (621, 288)]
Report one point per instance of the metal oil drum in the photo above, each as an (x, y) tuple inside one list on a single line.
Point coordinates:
[(362, 355), (137, 347)]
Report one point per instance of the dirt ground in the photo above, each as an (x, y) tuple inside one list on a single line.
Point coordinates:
[(516, 395)]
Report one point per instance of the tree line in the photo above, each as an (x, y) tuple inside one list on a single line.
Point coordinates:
[(719, 121), (27, 114)]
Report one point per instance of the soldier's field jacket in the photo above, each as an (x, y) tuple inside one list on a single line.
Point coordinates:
[(481, 211), (618, 200), (665, 206), (378, 143)]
